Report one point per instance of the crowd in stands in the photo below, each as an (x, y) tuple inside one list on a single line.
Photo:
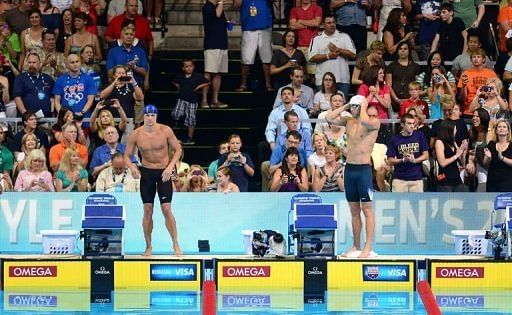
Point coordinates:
[(50, 58)]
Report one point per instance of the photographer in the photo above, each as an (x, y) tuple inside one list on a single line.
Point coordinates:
[(64, 116), (290, 177), (197, 180), (489, 98), (125, 89), (102, 118), (240, 163)]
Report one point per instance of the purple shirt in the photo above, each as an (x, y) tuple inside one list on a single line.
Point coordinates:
[(398, 145)]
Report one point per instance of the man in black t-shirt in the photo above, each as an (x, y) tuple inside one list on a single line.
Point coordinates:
[(451, 38)]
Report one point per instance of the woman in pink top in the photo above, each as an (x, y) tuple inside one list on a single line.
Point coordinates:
[(376, 91), (35, 177)]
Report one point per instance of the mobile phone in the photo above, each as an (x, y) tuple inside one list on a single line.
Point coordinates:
[(78, 117), (125, 78), (107, 103)]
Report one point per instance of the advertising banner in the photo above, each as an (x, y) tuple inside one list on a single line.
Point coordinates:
[(372, 301), (250, 276), (46, 302), (261, 302), (467, 275), (156, 300)]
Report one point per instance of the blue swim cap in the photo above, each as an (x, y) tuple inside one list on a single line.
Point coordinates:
[(150, 109)]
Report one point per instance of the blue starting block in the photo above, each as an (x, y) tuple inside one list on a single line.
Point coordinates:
[(102, 223), (315, 229), (503, 205)]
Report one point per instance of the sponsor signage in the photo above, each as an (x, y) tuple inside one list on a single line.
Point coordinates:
[(385, 300), (315, 277), (465, 301), (174, 300), (386, 273), (158, 275), (38, 302), (102, 275), (371, 301), (371, 276), (28, 275), (32, 300), (246, 300), (470, 275), (259, 276), (173, 272)]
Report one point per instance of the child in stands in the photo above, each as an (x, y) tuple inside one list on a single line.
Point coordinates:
[(188, 83), (414, 100)]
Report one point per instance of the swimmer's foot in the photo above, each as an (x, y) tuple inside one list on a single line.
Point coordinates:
[(147, 252), (365, 253), (177, 250), (351, 250)]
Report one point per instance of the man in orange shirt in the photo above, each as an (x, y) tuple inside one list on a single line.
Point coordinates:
[(505, 21), (472, 79), (70, 134)]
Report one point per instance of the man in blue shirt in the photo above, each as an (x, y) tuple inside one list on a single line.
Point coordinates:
[(134, 57), (33, 89)]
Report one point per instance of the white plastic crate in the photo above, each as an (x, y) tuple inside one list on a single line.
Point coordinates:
[(470, 242), (59, 242)]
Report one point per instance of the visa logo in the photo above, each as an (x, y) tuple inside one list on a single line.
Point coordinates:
[(397, 272), (173, 272)]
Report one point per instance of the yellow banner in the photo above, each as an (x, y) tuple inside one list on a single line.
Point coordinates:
[(54, 275), (470, 275), (249, 276), (371, 275), (157, 275)]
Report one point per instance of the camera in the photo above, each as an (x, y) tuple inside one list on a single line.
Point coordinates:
[(487, 88), (197, 173), (268, 242), (125, 78), (78, 117), (107, 103), (291, 178), (437, 78)]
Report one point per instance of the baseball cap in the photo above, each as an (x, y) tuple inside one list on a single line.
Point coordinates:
[(356, 100), (3, 127), (150, 109)]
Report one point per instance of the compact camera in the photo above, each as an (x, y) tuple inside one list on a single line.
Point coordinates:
[(487, 88), (291, 178), (437, 78)]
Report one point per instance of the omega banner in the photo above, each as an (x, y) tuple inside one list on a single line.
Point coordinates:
[(470, 275), (259, 276), (158, 275), (47, 301), (22, 275), (371, 275)]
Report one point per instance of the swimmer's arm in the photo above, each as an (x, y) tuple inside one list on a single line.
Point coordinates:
[(370, 123), (334, 118), (130, 147), (176, 149)]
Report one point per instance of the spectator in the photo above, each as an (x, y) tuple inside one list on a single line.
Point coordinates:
[(439, 86), (187, 83), (329, 177), (53, 62), (117, 177), (154, 10), (322, 99), (4, 95), (125, 90), (29, 121), (33, 89), (240, 163), (256, 19), (197, 180), (291, 120), (118, 7), (6, 161), (400, 73), (376, 91), (215, 50), (12, 44), (212, 168), (64, 116), (305, 21), (420, 125), (385, 7), (93, 9), (331, 51), (476, 169), (317, 158), (224, 182), (66, 29), (406, 152), (69, 141), (427, 13), (463, 62), (18, 18), (71, 176), (286, 59), (290, 176), (351, 19), (450, 157), (374, 58), (133, 57), (50, 15), (102, 118), (498, 157), (82, 37), (465, 10), (505, 25), (62, 5), (337, 137), (31, 38), (90, 66), (472, 79), (297, 84), (414, 100), (451, 111), (394, 33), (451, 37), (181, 171), (337, 100), (35, 177), (28, 143), (435, 60), (142, 28), (489, 98)]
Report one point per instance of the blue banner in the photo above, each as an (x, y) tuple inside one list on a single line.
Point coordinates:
[(405, 223)]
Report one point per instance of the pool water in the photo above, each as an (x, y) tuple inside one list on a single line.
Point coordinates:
[(338, 302)]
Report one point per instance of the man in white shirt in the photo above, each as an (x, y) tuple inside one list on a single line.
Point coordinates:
[(331, 51), (117, 177)]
